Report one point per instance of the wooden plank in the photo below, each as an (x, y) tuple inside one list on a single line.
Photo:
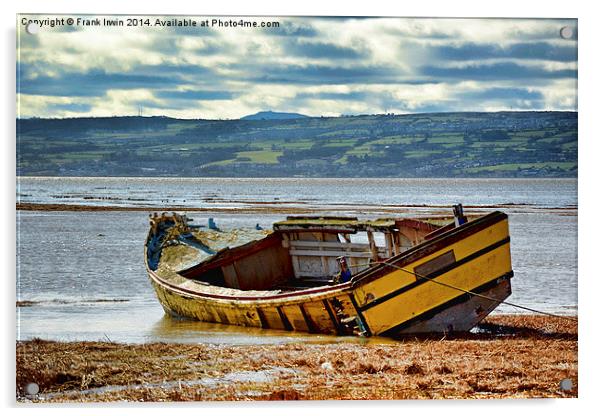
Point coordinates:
[(323, 258), (310, 274), (389, 244), (317, 253), (311, 326), (353, 264), (325, 265), (272, 317), (230, 276), (285, 322), (311, 264), (334, 229), (328, 244), (230, 255), (332, 316), (396, 244), (346, 305), (319, 316), (295, 317), (373, 247), (296, 267), (264, 322), (435, 264)]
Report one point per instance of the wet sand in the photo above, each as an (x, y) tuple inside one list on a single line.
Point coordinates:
[(512, 356)]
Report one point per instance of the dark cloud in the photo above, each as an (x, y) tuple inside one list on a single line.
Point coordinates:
[(321, 50), (461, 105), (180, 71), (212, 48), (545, 31), (165, 44), (87, 84), (195, 95), (498, 71), (519, 98), (292, 29), (503, 94), (321, 74), (534, 50), (27, 41)]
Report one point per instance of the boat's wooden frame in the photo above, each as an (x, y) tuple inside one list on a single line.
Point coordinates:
[(381, 299)]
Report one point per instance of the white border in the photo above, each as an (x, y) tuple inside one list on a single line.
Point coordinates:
[(589, 187)]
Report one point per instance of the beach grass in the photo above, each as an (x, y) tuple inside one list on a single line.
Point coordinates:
[(512, 356)]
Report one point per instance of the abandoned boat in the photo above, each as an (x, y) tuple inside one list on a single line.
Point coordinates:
[(333, 275)]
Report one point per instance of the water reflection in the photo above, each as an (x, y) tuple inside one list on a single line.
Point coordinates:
[(169, 329)]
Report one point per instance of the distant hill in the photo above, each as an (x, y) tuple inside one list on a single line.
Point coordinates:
[(273, 115), (502, 144)]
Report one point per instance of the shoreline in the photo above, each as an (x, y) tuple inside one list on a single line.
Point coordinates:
[(279, 207), (511, 356)]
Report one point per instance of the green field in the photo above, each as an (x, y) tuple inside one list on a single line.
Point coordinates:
[(446, 144)]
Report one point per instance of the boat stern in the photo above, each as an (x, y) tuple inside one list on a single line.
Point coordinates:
[(448, 283)]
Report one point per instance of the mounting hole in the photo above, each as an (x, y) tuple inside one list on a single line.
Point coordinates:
[(566, 384), (566, 32), (32, 28), (32, 389)]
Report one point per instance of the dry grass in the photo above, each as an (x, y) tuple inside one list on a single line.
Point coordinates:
[(528, 359)]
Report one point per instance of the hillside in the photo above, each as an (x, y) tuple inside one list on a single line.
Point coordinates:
[(272, 115), (504, 144)]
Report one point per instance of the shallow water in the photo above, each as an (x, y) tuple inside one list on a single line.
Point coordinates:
[(83, 272), (237, 192)]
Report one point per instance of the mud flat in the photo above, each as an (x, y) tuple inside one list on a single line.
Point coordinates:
[(26, 206), (293, 208), (510, 356)]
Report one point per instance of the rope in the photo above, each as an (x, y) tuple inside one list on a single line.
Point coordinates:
[(569, 318)]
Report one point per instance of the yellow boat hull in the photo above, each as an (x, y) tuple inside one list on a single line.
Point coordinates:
[(448, 283)]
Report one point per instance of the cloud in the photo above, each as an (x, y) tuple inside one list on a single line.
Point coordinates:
[(504, 94), (353, 96), (195, 95), (91, 83), (292, 29), (534, 50), (70, 107), (321, 74), (312, 65), (322, 50), (497, 71)]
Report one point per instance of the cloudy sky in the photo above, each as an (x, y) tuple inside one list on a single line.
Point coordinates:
[(314, 66)]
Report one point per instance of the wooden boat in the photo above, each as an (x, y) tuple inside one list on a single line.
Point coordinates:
[(319, 275)]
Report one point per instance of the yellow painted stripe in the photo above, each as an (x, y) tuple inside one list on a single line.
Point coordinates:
[(429, 295), (398, 278)]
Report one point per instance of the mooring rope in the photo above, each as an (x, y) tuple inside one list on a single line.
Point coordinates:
[(570, 318)]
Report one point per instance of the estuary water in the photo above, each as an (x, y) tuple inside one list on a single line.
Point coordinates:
[(80, 274)]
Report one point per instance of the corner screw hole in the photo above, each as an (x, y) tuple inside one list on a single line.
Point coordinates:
[(32, 28), (32, 389), (566, 384), (566, 32)]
